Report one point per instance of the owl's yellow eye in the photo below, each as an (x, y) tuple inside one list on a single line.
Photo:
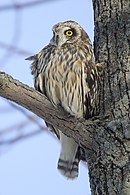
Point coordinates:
[(69, 33)]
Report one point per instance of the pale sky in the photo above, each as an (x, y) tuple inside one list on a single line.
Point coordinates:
[(29, 167)]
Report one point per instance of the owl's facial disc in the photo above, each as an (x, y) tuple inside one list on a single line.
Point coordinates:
[(64, 34)]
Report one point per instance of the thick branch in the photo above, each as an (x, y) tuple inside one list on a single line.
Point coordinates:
[(39, 104)]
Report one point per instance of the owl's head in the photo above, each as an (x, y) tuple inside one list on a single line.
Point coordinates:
[(66, 32)]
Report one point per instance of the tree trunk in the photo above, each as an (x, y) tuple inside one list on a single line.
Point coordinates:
[(109, 164)]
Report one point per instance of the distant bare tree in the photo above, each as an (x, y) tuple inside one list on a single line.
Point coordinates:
[(11, 49)]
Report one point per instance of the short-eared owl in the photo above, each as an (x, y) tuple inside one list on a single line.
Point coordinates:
[(65, 72)]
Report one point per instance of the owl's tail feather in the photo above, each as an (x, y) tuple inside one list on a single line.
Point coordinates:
[(69, 169), (69, 159)]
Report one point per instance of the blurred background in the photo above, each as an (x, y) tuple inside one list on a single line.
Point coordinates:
[(28, 151)]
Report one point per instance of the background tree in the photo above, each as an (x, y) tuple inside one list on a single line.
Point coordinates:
[(106, 136)]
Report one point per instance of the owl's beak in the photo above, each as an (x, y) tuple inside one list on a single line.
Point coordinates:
[(54, 40)]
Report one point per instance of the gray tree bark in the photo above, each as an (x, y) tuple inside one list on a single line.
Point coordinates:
[(109, 164), (106, 137)]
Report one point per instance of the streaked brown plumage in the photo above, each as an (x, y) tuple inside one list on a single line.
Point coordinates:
[(65, 72)]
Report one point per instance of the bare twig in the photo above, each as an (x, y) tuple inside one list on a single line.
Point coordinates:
[(14, 49), (20, 137), (17, 126), (32, 118), (15, 39), (22, 5)]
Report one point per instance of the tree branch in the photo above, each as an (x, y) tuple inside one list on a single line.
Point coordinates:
[(80, 130), (22, 5)]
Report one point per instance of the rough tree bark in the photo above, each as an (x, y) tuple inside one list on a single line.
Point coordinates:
[(106, 137), (109, 165)]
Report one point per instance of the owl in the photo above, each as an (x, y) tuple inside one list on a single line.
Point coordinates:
[(66, 73)]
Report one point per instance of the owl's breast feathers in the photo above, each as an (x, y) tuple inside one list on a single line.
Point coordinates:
[(68, 77)]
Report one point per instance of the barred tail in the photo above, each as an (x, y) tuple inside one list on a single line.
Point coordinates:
[(68, 162)]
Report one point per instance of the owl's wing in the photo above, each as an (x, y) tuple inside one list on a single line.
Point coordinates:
[(37, 68), (89, 79)]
